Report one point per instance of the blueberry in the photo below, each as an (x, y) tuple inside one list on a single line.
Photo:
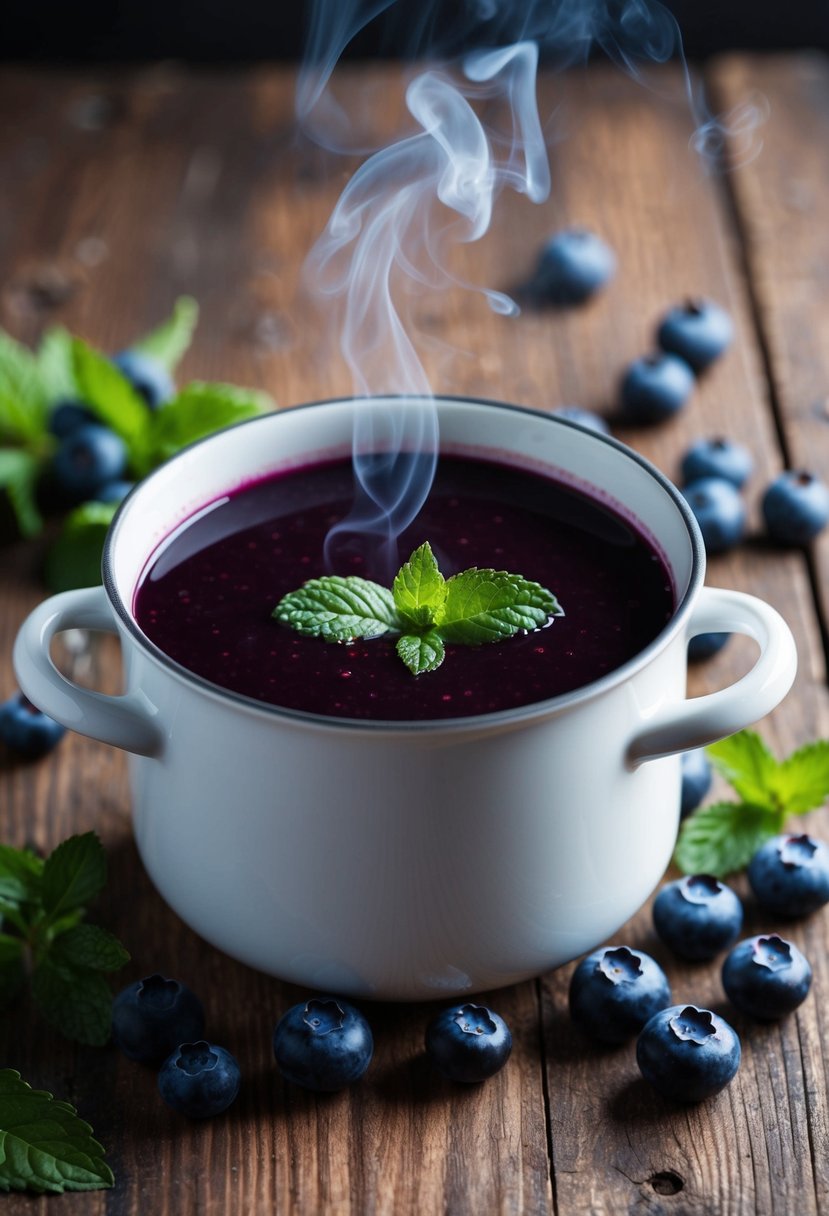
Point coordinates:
[(586, 418), (323, 1044), (468, 1042), (795, 507), (26, 730), (615, 990), (705, 645), (696, 780), (113, 491), (68, 416), (789, 875), (573, 265), (766, 977), (688, 1054), (655, 387), (717, 458), (87, 459), (199, 1079), (154, 1015), (698, 331), (147, 376), (697, 917), (719, 511)]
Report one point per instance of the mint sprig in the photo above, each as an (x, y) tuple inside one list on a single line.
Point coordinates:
[(427, 610), (45, 936), (723, 837), (45, 1147)]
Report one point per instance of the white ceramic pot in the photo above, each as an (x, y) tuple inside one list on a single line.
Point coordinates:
[(406, 860)]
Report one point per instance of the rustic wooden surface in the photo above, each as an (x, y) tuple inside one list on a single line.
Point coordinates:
[(118, 193)]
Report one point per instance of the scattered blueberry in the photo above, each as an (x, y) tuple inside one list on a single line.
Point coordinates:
[(795, 507), (586, 418), (152, 1016), (706, 645), (697, 917), (147, 376), (26, 730), (696, 780), (717, 458), (698, 331), (615, 990), (573, 265), (655, 387), (468, 1042), (68, 416), (88, 458), (766, 977), (789, 875), (719, 511), (113, 491), (199, 1079), (323, 1044), (688, 1054)]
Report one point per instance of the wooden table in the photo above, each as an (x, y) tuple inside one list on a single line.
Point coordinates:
[(120, 192)]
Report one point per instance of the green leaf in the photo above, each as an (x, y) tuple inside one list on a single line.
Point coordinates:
[(75, 1000), (19, 472), (111, 396), (338, 609), (419, 591), (801, 782), (488, 605), (199, 410), (90, 947), (73, 874), (44, 1146), (168, 342), (23, 402), (55, 364), (74, 560), (421, 652), (21, 872), (748, 765), (722, 837)]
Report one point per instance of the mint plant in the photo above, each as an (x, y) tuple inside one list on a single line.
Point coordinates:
[(423, 608), (723, 837)]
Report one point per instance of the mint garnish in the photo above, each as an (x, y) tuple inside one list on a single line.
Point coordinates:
[(45, 1146), (427, 610), (723, 837), (45, 935)]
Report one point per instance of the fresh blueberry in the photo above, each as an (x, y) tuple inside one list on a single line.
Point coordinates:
[(26, 730), (697, 917), (717, 458), (789, 875), (468, 1042), (113, 491), (795, 507), (696, 780), (688, 1054), (87, 459), (152, 1016), (698, 331), (655, 387), (706, 645), (586, 418), (573, 265), (323, 1044), (719, 511), (147, 376), (615, 990), (766, 977), (68, 416), (199, 1079)]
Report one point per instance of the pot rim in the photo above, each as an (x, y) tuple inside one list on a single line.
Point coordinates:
[(535, 710)]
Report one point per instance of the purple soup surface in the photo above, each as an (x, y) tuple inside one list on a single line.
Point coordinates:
[(207, 595)]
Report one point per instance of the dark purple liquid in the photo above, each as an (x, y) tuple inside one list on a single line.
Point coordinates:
[(206, 599)]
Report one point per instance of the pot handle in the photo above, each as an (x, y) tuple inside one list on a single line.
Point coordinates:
[(125, 721), (701, 720)]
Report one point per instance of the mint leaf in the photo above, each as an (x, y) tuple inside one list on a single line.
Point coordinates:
[(90, 947), (74, 560), (748, 765), (21, 872), (488, 605), (168, 342), (419, 591), (44, 1146), (75, 1000), (19, 471), (338, 609), (110, 395), (55, 364), (23, 404), (199, 410), (722, 837), (801, 782), (421, 652), (73, 874)]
